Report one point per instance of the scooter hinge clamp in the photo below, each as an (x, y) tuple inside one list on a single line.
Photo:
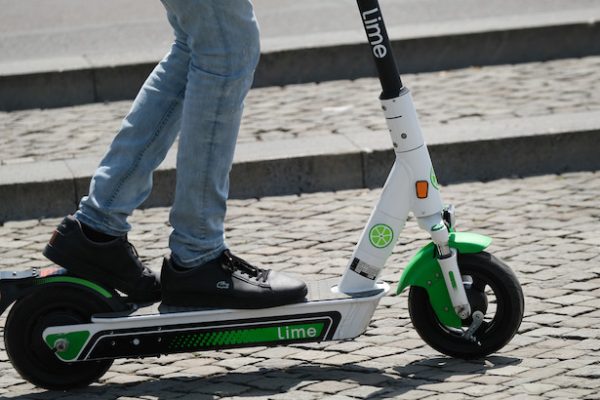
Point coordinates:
[(449, 217)]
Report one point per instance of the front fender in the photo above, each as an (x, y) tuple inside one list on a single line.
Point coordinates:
[(424, 271)]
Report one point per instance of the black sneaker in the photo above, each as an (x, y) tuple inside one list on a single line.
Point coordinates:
[(114, 263), (228, 282)]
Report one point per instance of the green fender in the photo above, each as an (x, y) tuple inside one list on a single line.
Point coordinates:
[(423, 270), (75, 281)]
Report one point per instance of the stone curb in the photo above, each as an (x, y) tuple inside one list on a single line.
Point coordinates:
[(314, 58), (483, 151)]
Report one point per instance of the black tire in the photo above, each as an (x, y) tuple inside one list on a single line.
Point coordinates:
[(54, 305), (489, 275)]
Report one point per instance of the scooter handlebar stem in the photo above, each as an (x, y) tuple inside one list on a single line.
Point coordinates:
[(381, 48)]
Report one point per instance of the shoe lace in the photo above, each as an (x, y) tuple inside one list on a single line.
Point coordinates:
[(135, 255), (234, 263)]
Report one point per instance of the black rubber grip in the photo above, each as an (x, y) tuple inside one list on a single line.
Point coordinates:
[(381, 48)]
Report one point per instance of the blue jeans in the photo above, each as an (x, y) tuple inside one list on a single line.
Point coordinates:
[(198, 91)]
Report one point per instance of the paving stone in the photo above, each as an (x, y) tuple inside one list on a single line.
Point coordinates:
[(277, 352), (123, 379), (329, 387), (296, 394), (570, 393), (311, 355), (342, 359), (586, 372), (203, 371), (536, 388), (479, 390), (237, 362)]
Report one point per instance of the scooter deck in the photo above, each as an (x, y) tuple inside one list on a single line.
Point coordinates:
[(159, 329), (317, 291)]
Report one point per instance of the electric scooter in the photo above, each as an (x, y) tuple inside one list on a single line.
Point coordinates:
[(64, 331)]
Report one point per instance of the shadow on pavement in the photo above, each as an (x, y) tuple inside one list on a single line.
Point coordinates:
[(382, 383)]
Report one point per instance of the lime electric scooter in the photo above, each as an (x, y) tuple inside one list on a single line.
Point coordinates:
[(64, 331)]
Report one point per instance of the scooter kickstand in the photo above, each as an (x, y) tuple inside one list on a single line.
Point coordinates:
[(477, 320)]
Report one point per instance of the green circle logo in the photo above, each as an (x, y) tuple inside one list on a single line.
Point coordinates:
[(381, 236)]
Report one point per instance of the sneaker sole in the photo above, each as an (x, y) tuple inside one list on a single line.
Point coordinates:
[(193, 300)]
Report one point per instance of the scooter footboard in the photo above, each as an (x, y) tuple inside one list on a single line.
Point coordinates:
[(327, 315)]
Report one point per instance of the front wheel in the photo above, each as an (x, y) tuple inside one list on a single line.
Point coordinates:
[(493, 289)]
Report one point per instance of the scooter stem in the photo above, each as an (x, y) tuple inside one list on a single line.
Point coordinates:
[(380, 48), (411, 185)]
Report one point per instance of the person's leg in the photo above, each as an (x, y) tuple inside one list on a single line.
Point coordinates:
[(124, 178), (224, 41), (224, 44), (93, 244)]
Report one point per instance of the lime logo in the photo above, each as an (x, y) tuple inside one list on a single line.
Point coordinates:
[(381, 236), (433, 179)]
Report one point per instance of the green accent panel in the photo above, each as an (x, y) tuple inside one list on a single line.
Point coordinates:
[(77, 281), (75, 342), (438, 227), (281, 333), (433, 179), (453, 279), (423, 270)]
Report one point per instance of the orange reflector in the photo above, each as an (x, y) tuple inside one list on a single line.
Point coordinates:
[(422, 189)]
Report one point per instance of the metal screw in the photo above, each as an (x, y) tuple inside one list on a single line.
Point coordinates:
[(136, 342), (429, 283), (446, 309), (404, 136), (113, 343), (61, 345)]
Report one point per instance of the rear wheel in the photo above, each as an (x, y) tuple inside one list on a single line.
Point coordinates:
[(51, 306), (493, 289)]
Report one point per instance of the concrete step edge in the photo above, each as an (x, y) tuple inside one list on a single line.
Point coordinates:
[(476, 151), (314, 58)]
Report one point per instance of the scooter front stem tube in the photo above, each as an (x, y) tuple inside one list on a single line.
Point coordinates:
[(454, 283), (380, 234), (447, 258), (381, 48)]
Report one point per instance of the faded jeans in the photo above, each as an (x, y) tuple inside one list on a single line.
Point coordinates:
[(198, 91)]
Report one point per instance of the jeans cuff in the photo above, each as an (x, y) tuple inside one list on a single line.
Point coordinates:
[(84, 219), (203, 259)]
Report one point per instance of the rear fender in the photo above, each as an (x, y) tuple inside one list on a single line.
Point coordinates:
[(16, 285)]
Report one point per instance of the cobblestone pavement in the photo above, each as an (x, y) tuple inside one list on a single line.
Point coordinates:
[(332, 107), (544, 228)]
